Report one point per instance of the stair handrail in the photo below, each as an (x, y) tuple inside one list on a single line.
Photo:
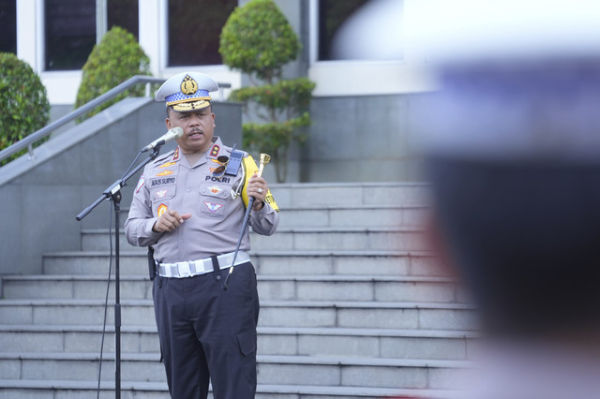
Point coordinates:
[(85, 108)]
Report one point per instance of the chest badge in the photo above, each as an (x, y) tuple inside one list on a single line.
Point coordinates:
[(162, 208), (188, 85), (165, 173), (212, 206), (215, 189)]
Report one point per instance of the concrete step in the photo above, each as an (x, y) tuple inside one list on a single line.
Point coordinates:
[(284, 370), (59, 389), (301, 239), (332, 341), (401, 315), (276, 287), (350, 194), (376, 263), (363, 216), (345, 216)]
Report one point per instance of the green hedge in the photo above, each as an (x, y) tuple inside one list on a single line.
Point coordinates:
[(23, 101), (115, 59)]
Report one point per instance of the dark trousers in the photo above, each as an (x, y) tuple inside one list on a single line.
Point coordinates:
[(207, 333)]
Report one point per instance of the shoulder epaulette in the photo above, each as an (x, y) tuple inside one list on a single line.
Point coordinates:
[(162, 158)]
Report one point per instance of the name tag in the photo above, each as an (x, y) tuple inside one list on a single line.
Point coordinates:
[(162, 180)]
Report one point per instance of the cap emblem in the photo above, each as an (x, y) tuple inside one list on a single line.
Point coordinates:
[(188, 85)]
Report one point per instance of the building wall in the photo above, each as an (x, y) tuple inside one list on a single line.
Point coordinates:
[(384, 88), (367, 138), (334, 78)]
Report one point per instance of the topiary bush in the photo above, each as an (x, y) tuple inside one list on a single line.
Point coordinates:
[(258, 40), (115, 59), (23, 101)]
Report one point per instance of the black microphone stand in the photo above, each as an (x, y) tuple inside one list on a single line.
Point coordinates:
[(237, 247), (113, 193)]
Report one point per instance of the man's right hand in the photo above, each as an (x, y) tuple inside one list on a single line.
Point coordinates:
[(169, 221)]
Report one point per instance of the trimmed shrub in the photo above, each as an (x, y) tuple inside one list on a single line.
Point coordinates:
[(115, 59), (23, 101), (258, 40)]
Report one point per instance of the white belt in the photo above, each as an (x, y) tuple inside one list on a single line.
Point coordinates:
[(201, 266)]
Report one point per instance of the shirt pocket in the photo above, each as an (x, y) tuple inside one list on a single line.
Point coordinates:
[(161, 197), (214, 199)]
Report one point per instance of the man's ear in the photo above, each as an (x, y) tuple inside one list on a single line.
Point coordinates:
[(168, 123), (213, 116)]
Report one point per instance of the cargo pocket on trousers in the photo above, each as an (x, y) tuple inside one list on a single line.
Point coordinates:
[(247, 342)]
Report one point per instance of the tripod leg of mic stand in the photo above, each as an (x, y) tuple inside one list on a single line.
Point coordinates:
[(237, 248)]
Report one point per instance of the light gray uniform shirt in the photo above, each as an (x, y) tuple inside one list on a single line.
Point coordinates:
[(170, 182)]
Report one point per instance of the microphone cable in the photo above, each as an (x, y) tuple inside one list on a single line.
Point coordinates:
[(110, 262), (131, 164)]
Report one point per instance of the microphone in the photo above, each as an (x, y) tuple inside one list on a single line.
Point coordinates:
[(174, 133)]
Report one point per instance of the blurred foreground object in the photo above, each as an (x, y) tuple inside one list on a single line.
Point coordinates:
[(512, 142)]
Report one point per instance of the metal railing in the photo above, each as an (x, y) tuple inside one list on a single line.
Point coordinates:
[(28, 141)]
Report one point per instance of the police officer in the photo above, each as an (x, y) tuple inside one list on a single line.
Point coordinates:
[(189, 206)]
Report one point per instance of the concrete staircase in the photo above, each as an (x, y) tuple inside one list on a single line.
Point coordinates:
[(352, 306)]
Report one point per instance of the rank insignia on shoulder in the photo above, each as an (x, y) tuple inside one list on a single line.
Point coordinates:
[(176, 154), (215, 150), (235, 161)]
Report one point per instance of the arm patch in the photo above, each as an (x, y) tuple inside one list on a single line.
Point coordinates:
[(250, 167)]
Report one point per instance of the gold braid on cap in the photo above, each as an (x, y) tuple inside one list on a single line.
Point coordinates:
[(185, 100), (190, 106)]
